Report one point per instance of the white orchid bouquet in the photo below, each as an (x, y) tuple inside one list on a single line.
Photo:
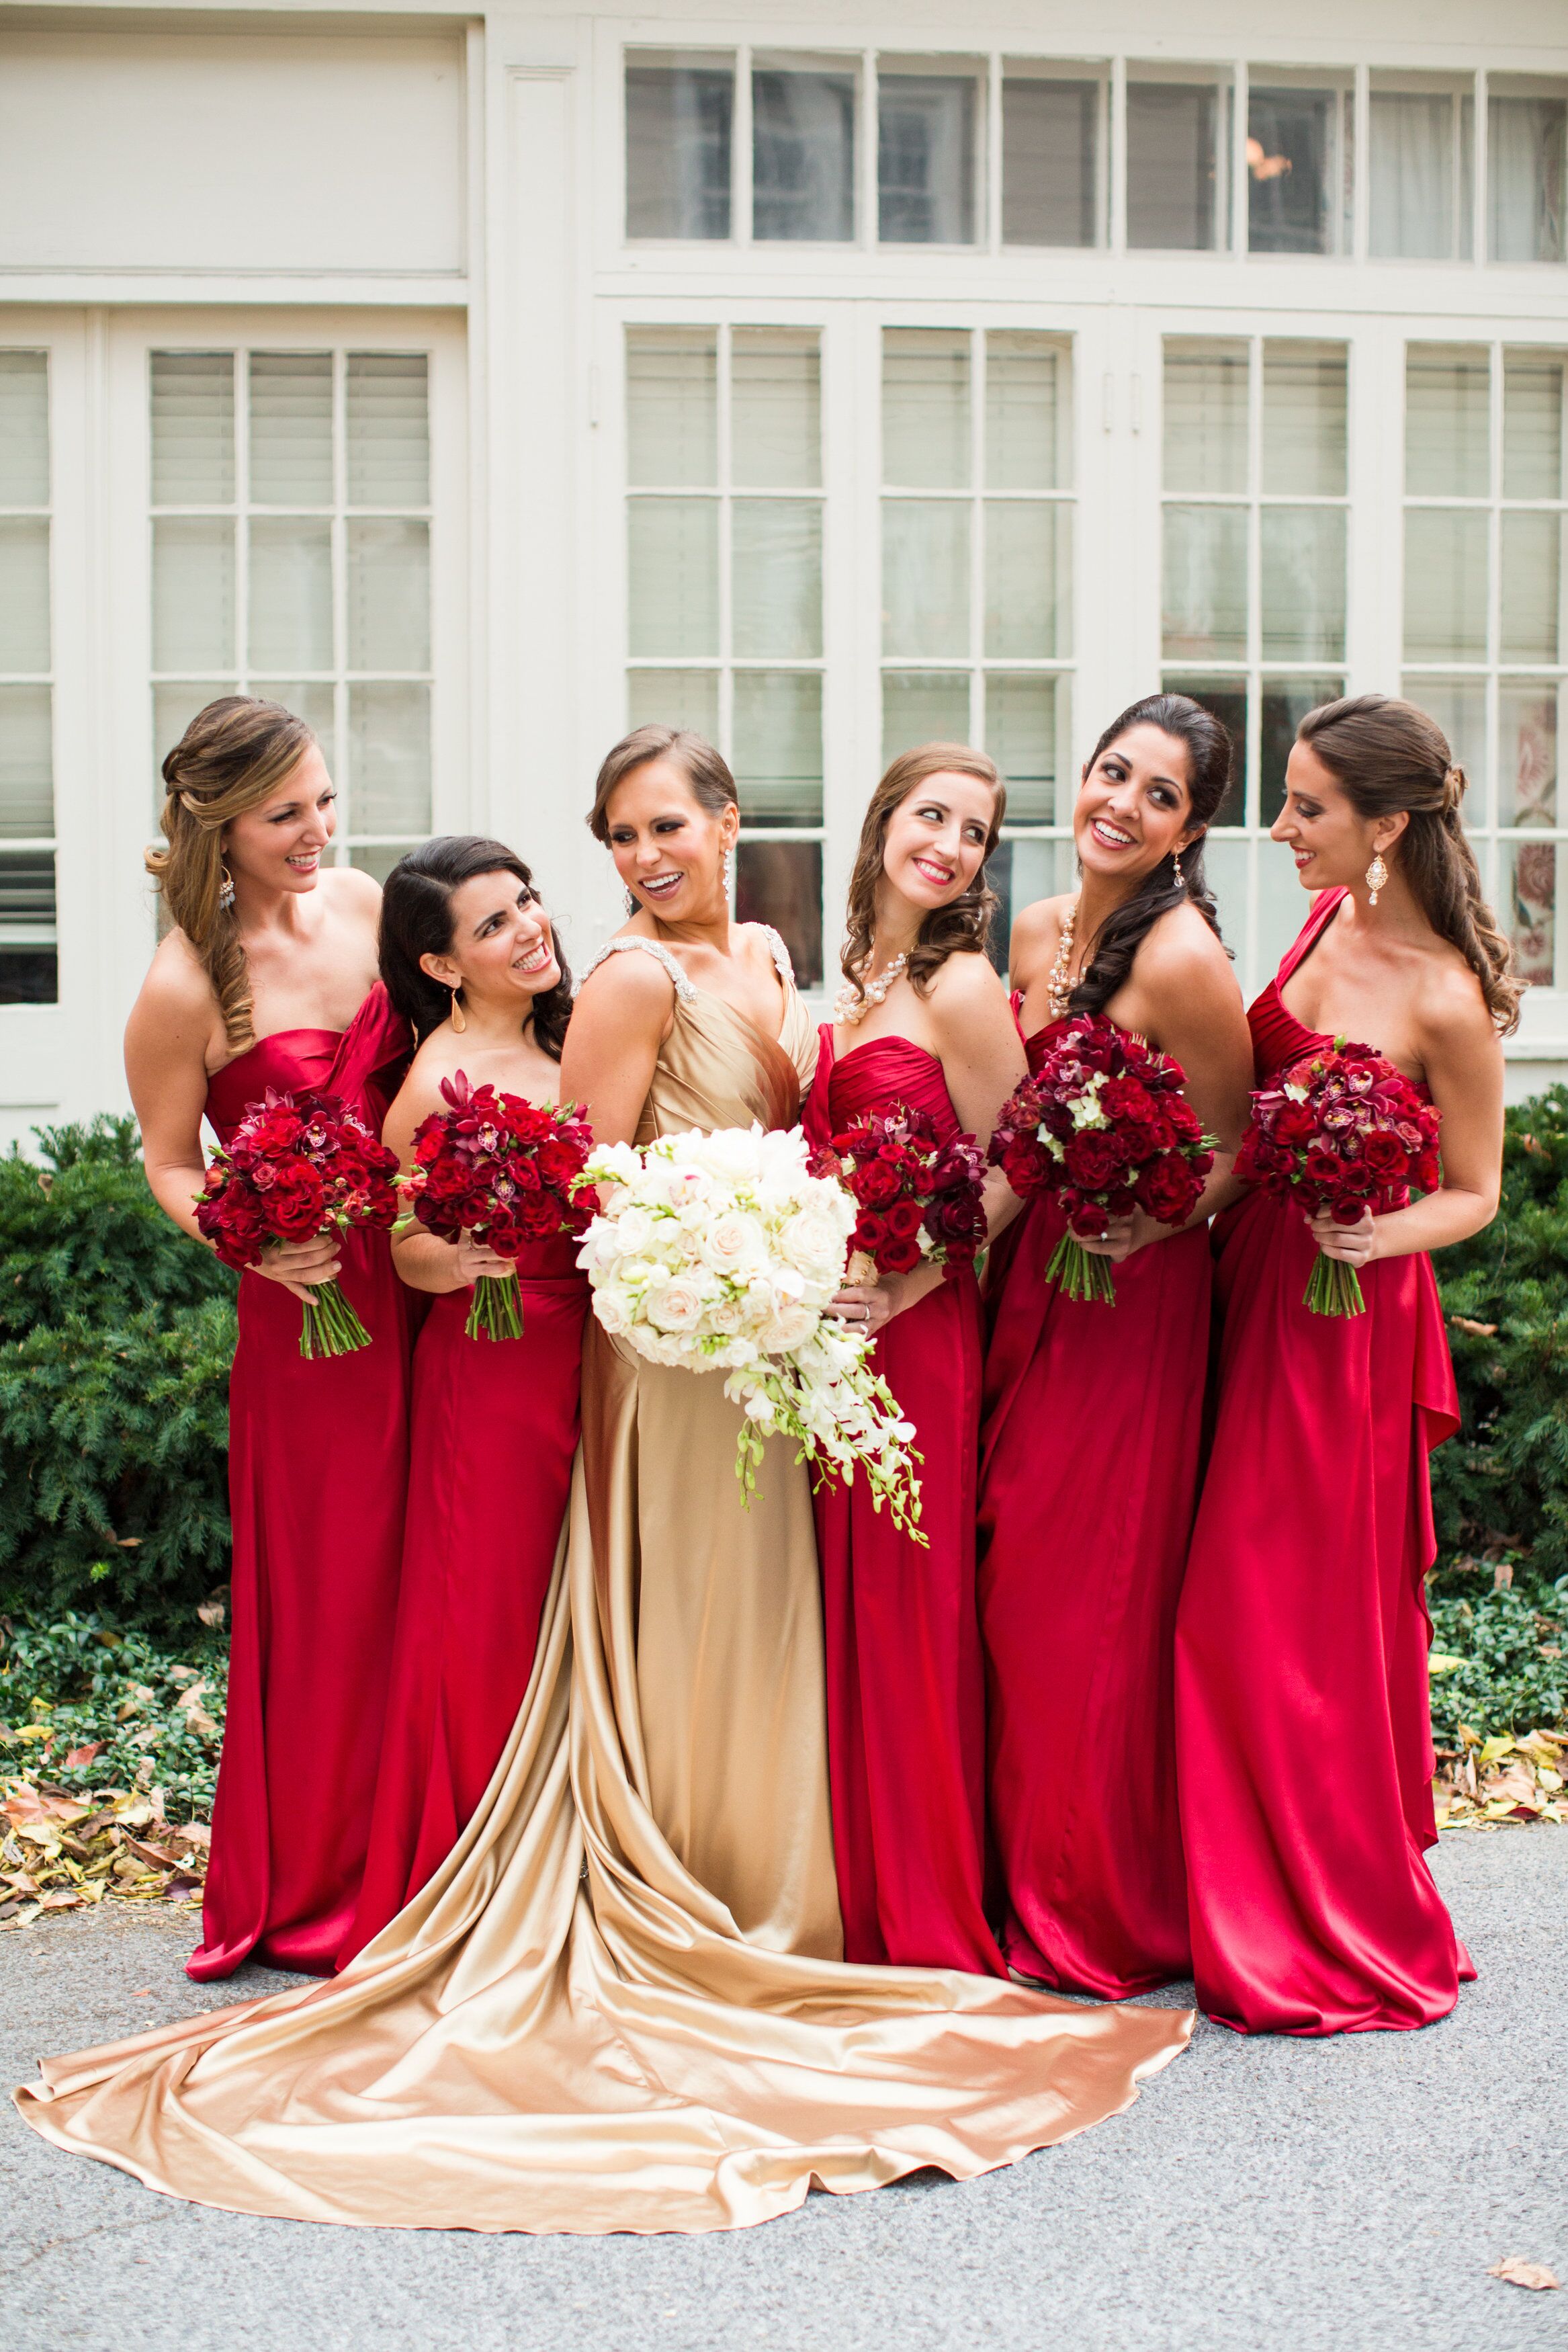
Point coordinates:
[(722, 1252)]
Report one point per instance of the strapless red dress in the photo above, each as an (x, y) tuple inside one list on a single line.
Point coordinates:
[(1090, 1447), (494, 1433), (1304, 1741), (317, 1474), (906, 1685)]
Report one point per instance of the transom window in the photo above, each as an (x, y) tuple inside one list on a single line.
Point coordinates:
[(29, 966)]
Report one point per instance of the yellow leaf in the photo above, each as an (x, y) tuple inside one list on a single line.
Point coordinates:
[(1439, 1663), (1494, 1747), (1548, 1779)]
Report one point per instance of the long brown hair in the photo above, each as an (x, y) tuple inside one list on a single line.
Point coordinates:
[(713, 786), (961, 927), (231, 758), (1388, 755)]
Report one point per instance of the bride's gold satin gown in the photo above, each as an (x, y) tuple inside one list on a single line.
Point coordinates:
[(618, 2006)]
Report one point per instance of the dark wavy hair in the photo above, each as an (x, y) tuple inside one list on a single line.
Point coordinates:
[(961, 927), (1126, 928), (416, 920)]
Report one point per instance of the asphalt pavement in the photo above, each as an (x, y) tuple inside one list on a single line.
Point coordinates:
[(1339, 2196)]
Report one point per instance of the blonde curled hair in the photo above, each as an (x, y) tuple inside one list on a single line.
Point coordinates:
[(961, 927), (232, 757)]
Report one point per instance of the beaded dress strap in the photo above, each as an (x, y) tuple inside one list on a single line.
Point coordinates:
[(661, 955), (786, 970)]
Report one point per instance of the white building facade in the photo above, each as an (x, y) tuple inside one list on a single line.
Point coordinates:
[(481, 383)]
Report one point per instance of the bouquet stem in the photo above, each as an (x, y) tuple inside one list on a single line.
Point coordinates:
[(497, 1312), (1081, 1273), (1334, 1288), (330, 1327)]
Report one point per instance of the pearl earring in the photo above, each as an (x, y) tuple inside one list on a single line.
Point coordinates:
[(729, 871), (226, 890), (459, 1019), (1176, 862), (1376, 877)]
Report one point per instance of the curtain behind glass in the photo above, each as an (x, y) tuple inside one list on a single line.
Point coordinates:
[(1412, 186), (1525, 140)]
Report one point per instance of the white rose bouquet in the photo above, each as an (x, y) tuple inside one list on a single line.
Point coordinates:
[(721, 1253)]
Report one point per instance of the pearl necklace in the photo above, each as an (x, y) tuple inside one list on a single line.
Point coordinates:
[(856, 998), (1059, 988)]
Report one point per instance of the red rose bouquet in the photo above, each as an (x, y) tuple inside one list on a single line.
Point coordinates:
[(502, 1168), (296, 1165), (1101, 1126), (918, 1197), (1341, 1131)]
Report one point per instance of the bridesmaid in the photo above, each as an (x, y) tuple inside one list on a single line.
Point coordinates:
[(469, 956), (267, 978), (1080, 1572), (922, 1019), (1303, 1744)]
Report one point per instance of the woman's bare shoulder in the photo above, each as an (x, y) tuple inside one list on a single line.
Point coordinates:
[(1182, 948), (1035, 932), (177, 986)]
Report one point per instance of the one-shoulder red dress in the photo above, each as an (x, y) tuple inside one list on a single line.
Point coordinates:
[(1303, 1739), (317, 1472), (1090, 1445), (494, 1433), (906, 1685)]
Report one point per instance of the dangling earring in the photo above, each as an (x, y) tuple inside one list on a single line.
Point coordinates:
[(226, 890), (632, 902), (728, 870), (459, 1019), (1176, 861), (1376, 877)]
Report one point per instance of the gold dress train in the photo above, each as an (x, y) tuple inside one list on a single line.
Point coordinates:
[(619, 2003)]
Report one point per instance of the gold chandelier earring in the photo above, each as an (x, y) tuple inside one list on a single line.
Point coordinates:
[(459, 1019), (1376, 877)]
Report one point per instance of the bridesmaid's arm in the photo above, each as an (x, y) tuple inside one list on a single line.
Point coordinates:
[(424, 1260), (622, 1015)]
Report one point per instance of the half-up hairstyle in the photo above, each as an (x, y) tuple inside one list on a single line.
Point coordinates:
[(232, 757), (1387, 755), (961, 927), (1174, 881), (416, 920), (705, 769)]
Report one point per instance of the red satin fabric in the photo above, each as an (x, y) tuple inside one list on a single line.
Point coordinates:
[(1090, 1445), (906, 1685), (1304, 1741), (317, 1471), (494, 1431)]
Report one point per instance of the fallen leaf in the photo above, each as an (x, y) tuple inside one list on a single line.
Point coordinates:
[(142, 1992), (212, 1612), (80, 1756), (63, 1898), (1518, 2273), (1477, 1330), (1439, 1663)]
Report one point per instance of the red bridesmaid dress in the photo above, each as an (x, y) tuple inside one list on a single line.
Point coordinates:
[(906, 1683), (317, 1472), (1303, 1742), (1089, 1448), (492, 1436)]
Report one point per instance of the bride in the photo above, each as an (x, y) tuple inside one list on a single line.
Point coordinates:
[(620, 2005)]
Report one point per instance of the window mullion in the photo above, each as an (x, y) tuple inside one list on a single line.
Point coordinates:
[(725, 546), (242, 518), (1254, 580), (340, 601), (976, 535)]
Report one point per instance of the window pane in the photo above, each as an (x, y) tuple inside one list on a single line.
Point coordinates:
[(674, 575), (803, 155), (1527, 768), (389, 758), (1204, 416), (27, 922), (1304, 418), (1447, 421), (1226, 697), (23, 429), (1531, 562), (923, 706), (1303, 567), (924, 408), (776, 545), (1460, 708), (1025, 726), (192, 428), (1172, 166), (1205, 575), (389, 595), (24, 593), (314, 701), (1524, 178), (775, 409), (925, 577), (377, 859), (1225, 865), (176, 703), (1444, 585), (1020, 872), (26, 762), (1532, 387), (1026, 589), (780, 882), (672, 406), (1292, 170), (291, 596), (1048, 168), (194, 593), (1282, 907), (1529, 908), (777, 759), (926, 158), (389, 429), (673, 697), (291, 428), (1284, 703), (1028, 432), (677, 150), (1420, 180)]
